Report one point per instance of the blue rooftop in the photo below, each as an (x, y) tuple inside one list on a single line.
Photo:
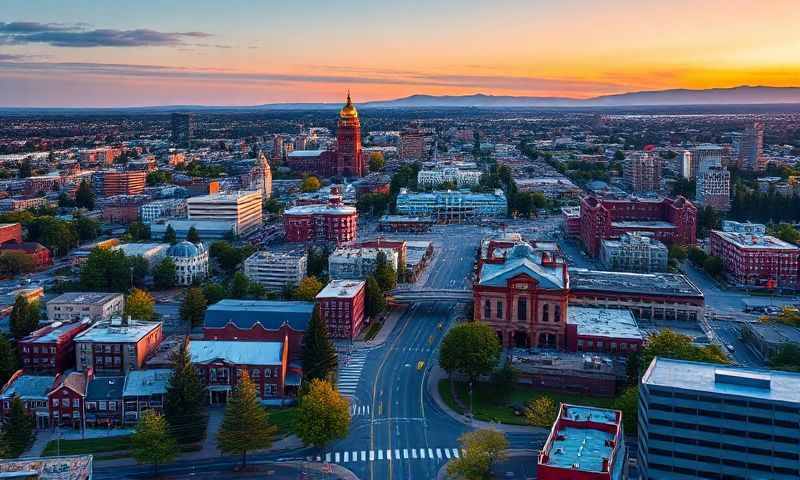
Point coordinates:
[(271, 314)]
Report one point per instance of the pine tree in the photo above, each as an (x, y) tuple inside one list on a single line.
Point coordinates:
[(8, 359), (185, 400), (319, 354), (17, 433), (192, 235), (245, 426), (384, 273), (375, 302), (151, 441), (193, 309), (240, 285), (84, 196), (170, 236)]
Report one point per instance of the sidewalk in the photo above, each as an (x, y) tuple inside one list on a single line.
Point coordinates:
[(511, 454), (436, 375)]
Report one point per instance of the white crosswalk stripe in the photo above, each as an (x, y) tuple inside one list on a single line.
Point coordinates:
[(441, 455), (349, 374), (359, 410)]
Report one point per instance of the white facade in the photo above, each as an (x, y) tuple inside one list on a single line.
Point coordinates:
[(461, 178), (275, 271), (242, 208), (634, 252), (191, 262), (162, 208), (452, 206), (358, 263)]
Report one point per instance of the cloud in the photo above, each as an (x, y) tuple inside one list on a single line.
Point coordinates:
[(80, 36), (7, 57)]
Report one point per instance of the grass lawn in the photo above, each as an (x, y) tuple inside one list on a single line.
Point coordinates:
[(488, 406), (89, 445), (284, 419)]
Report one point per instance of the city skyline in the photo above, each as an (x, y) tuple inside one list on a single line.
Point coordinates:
[(93, 54)]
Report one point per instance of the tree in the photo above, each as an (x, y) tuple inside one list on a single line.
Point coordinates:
[(13, 263), (240, 286), (170, 236), (107, 271), (787, 233), (139, 231), (317, 261), (24, 317), (670, 344), (628, 404), (376, 161), (678, 252), (192, 235), (504, 379), (214, 292), (165, 274), (786, 358), (482, 449), (140, 268), (84, 196), (318, 352), (8, 359), (139, 305), (713, 265), (323, 415), (697, 256), (274, 206), (245, 426), (310, 184), (307, 289), (87, 229), (18, 429), (385, 273), (151, 442), (185, 399), (541, 411), (193, 308), (684, 187), (470, 348), (58, 235), (619, 156), (374, 301)]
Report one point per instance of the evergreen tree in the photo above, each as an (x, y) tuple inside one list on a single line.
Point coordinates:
[(384, 273), (374, 301), (170, 236), (151, 442), (185, 400), (18, 429), (192, 235), (194, 306), (319, 354), (245, 426), (24, 317), (240, 286), (165, 274), (84, 196), (8, 359), (323, 415)]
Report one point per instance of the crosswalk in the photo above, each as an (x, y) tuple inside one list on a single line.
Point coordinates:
[(420, 454), (350, 367), (359, 410)]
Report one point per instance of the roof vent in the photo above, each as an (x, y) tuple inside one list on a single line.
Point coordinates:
[(742, 378)]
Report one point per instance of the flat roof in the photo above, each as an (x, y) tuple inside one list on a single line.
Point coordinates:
[(223, 197), (140, 249), (642, 224), (58, 330), (236, 352), (664, 284), (104, 332), (604, 322), (305, 153), (752, 241), (146, 382), (85, 298), (30, 386), (580, 444), (270, 314), (320, 209), (341, 289), (755, 383)]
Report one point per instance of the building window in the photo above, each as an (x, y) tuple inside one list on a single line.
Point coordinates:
[(55, 402), (557, 311), (499, 309), (522, 309), (546, 312)]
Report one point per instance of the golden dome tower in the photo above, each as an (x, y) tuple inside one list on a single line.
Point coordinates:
[(349, 157)]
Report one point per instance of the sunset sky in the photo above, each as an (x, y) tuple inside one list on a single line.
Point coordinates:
[(235, 52)]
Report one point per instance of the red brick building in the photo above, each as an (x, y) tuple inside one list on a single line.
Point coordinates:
[(752, 260), (221, 363), (36, 251), (317, 162), (349, 157), (51, 348), (10, 233), (123, 182), (66, 401), (333, 222), (668, 220), (123, 208), (118, 346), (341, 307), (258, 320)]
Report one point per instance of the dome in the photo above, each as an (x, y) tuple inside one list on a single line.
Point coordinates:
[(185, 249), (349, 110)]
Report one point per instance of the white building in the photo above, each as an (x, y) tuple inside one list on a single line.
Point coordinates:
[(152, 252), (460, 178), (713, 188), (191, 262), (242, 208), (171, 207), (358, 263), (275, 271)]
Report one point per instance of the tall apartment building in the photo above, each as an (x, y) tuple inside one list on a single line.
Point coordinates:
[(751, 151), (412, 144), (713, 188), (706, 421), (634, 252), (642, 172), (242, 208), (705, 154), (182, 129), (123, 182), (275, 271)]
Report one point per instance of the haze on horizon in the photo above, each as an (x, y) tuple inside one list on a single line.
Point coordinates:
[(92, 53)]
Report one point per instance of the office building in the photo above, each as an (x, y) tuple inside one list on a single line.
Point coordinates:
[(412, 144), (242, 208), (634, 252), (452, 206), (713, 188), (341, 307), (116, 346), (667, 220), (459, 178), (191, 262), (642, 172), (707, 421), (171, 207), (684, 163), (705, 154), (752, 259), (585, 443), (123, 209), (332, 222), (121, 182), (276, 272), (182, 129), (75, 306), (358, 263), (751, 152)]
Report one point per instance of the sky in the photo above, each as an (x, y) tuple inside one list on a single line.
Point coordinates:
[(235, 52)]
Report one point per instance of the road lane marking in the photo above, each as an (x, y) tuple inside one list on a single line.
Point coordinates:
[(397, 454), (447, 453), (438, 455), (413, 453), (380, 454), (430, 453), (405, 453)]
